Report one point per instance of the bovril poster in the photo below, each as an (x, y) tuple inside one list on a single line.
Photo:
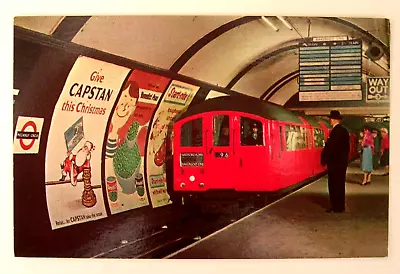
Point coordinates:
[(126, 139), (177, 97), (76, 137)]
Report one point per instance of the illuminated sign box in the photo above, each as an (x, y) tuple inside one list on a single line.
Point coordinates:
[(330, 70)]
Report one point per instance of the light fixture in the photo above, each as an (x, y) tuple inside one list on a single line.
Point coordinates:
[(286, 23), (269, 23)]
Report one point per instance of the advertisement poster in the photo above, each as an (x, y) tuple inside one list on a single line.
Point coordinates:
[(27, 135), (76, 137), (126, 139), (177, 97), (378, 89)]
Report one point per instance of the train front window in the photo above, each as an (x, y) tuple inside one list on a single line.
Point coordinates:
[(251, 132), (192, 133), (221, 130)]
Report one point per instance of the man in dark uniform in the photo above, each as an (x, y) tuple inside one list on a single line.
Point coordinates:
[(335, 155), (255, 137)]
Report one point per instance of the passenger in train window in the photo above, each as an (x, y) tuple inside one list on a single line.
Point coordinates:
[(223, 139), (254, 138), (318, 138), (335, 155), (295, 137), (289, 136), (302, 137), (197, 138), (367, 159)]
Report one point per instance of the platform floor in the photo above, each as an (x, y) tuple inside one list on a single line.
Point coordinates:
[(297, 226)]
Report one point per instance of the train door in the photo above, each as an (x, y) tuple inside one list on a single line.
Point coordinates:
[(220, 154), (250, 147), (276, 172), (291, 162)]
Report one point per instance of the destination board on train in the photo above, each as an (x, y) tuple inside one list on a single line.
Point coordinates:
[(330, 70)]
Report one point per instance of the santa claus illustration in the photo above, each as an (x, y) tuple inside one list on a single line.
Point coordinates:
[(74, 164)]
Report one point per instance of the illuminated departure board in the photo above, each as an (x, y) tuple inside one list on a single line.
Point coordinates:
[(330, 70)]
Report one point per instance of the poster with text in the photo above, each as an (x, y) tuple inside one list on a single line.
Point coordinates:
[(126, 139), (76, 137), (176, 98)]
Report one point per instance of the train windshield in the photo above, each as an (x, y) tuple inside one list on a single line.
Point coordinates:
[(192, 133), (221, 130)]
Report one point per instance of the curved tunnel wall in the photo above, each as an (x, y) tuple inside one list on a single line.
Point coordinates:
[(91, 104), (43, 66)]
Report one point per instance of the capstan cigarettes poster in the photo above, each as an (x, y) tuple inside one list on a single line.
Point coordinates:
[(76, 136)]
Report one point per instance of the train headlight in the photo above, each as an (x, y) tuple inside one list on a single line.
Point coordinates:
[(192, 178), (201, 184), (182, 185)]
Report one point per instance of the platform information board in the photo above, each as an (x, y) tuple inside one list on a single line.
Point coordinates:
[(330, 70)]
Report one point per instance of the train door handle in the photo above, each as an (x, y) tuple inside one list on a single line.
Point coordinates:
[(241, 162)]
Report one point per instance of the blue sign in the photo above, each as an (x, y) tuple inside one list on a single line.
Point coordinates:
[(331, 66)]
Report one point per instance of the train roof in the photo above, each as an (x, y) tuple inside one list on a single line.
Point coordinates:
[(313, 121), (325, 122), (242, 104)]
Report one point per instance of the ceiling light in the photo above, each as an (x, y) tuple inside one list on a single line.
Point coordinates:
[(269, 23), (286, 23)]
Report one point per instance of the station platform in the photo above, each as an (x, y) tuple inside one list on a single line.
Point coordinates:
[(297, 225)]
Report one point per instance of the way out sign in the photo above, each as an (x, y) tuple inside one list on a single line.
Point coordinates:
[(27, 135), (378, 89)]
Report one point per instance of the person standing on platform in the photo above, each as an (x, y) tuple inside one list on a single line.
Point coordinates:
[(367, 159), (360, 148), (335, 156), (377, 149), (385, 150)]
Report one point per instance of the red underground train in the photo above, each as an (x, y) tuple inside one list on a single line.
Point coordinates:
[(236, 144)]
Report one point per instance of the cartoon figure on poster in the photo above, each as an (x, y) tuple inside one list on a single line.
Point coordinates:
[(123, 160), (74, 164), (126, 106), (158, 138), (78, 164)]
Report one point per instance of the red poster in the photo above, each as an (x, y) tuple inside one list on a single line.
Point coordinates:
[(124, 159)]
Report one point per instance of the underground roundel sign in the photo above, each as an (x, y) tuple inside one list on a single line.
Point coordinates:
[(27, 135)]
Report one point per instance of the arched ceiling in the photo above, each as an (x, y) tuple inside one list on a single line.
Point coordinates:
[(241, 53)]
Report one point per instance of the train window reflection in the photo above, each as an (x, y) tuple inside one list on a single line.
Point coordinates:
[(296, 138), (318, 137), (251, 132), (221, 130), (192, 134)]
